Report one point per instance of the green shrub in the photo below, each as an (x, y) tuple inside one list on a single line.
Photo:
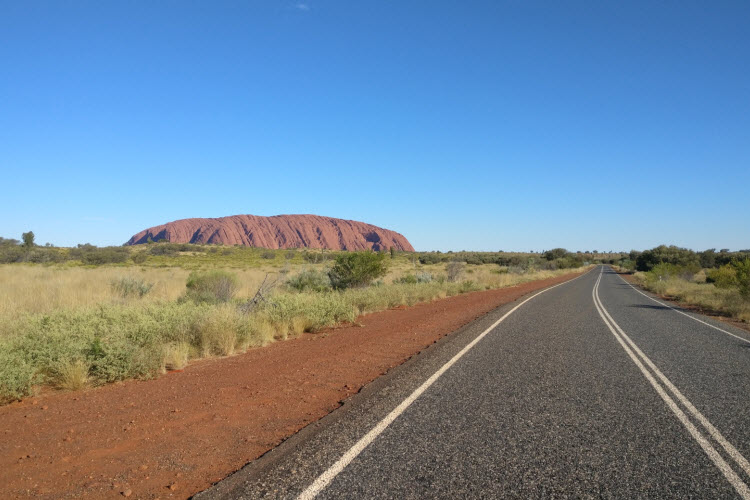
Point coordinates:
[(663, 271), (420, 277), (92, 255), (16, 375), (163, 249), (128, 286), (11, 253), (723, 277), (41, 255), (742, 269), (406, 279), (317, 257), (211, 286), (555, 253), (139, 257), (432, 258), (669, 255), (356, 269), (310, 280)]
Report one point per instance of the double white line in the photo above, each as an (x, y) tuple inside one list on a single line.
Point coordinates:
[(662, 385), (330, 474)]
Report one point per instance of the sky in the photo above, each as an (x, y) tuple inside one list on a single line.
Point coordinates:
[(481, 125)]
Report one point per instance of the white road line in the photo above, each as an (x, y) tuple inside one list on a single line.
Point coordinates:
[(733, 452), (683, 313), (325, 478), (741, 488)]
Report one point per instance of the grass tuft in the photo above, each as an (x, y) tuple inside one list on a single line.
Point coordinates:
[(73, 375), (176, 355)]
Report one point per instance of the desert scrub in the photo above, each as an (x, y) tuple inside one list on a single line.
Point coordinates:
[(726, 301), (94, 345), (357, 269), (128, 286), (310, 280), (211, 286), (116, 342)]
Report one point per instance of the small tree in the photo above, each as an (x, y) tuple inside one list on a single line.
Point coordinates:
[(393, 252), (357, 269), (28, 239), (555, 253)]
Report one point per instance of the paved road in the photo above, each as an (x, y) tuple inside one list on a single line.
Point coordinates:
[(588, 389)]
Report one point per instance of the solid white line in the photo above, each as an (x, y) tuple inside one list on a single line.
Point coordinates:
[(683, 313), (325, 478), (721, 464)]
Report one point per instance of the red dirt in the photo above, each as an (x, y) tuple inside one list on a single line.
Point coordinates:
[(176, 435), (279, 231)]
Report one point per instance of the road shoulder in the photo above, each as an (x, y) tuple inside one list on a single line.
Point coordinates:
[(178, 434)]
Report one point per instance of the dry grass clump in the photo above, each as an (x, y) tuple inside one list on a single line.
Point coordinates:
[(300, 325), (176, 355), (72, 375)]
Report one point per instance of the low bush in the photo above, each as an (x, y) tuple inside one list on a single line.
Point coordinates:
[(664, 271), (317, 257), (723, 277), (17, 374), (419, 277), (95, 256), (131, 287), (432, 258), (139, 257), (310, 280), (163, 249), (268, 254), (356, 269), (211, 286), (742, 270)]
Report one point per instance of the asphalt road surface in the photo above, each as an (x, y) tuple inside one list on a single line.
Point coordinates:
[(587, 389)]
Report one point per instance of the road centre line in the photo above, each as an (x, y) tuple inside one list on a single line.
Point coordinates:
[(736, 455), (741, 488), (683, 313), (326, 477)]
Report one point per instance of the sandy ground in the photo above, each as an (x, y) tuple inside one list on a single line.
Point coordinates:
[(176, 435)]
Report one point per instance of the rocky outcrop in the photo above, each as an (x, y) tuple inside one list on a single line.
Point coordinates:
[(279, 231)]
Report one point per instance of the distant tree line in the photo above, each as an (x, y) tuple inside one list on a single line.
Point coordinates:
[(683, 257)]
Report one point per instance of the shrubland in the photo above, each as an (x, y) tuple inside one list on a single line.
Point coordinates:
[(75, 324), (718, 282)]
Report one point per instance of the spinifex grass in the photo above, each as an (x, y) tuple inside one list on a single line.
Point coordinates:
[(69, 328)]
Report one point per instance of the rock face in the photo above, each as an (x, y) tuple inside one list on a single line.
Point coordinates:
[(279, 231)]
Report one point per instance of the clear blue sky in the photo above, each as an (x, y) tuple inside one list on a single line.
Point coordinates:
[(479, 125)]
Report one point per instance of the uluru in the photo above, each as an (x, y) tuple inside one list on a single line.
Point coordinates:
[(278, 231)]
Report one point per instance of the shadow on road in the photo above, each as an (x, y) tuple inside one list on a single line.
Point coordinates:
[(649, 306)]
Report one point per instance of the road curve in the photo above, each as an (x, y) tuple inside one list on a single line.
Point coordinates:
[(588, 389)]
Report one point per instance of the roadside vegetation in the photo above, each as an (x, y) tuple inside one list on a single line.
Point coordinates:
[(718, 282), (79, 321)]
